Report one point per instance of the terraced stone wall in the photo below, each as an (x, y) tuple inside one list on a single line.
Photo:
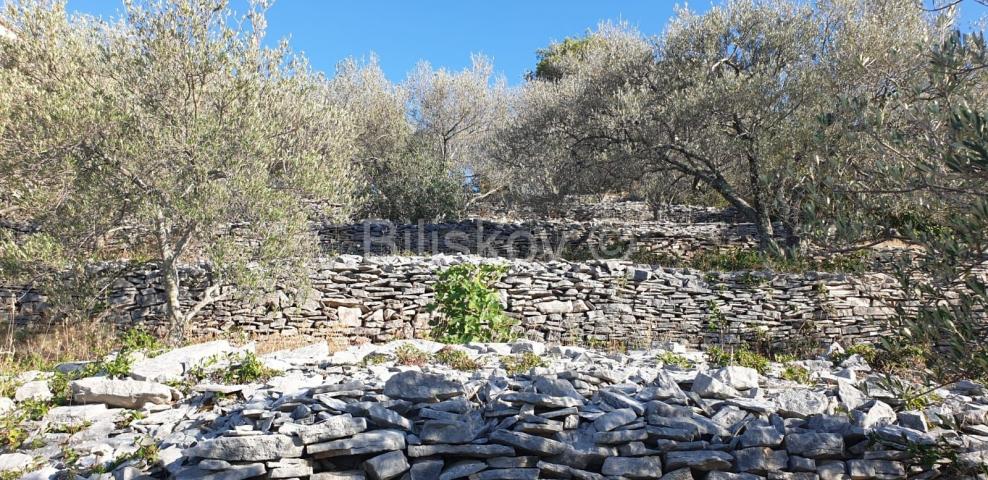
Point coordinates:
[(358, 299)]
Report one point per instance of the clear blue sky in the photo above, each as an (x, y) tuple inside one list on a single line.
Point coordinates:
[(446, 32)]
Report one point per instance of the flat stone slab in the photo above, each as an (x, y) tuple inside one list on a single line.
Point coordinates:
[(253, 448), (121, 393), (174, 364)]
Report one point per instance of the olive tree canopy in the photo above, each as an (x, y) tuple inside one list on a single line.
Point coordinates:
[(164, 127)]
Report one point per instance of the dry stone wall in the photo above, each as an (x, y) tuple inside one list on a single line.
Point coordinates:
[(535, 240), (360, 299)]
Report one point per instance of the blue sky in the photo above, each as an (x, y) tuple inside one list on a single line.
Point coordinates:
[(446, 32)]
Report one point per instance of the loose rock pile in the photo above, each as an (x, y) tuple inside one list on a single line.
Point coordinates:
[(584, 414)]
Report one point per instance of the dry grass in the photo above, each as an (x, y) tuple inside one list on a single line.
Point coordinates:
[(42, 349), (275, 343)]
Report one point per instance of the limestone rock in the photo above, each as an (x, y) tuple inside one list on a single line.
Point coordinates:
[(120, 393)]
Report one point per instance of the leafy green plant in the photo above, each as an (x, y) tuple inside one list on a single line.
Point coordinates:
[(12, 434), (471, 309), (457, 359), (796, 373), (375, 359), (139, 339), (670, 358), (741, 356), (246, 369), (517, 364), (867, 351), (407, 354)]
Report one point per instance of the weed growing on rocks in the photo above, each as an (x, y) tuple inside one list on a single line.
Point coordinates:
[(796, 373), (518, 364), (247, 369), (470, 306), (409, 355), (741, 356), (669, 358), (457, 359)]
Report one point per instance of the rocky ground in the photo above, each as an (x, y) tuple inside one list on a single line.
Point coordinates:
[(392, 411)]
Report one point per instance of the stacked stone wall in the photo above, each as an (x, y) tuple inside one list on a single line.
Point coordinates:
[(359, 299)]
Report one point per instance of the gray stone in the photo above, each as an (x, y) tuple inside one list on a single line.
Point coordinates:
[(360, 444), (421, 387), (709, 387), (475, 451), (12, 462), (556, 387), (815, 445), (801, 403), (254, 448), (761, 437), (120, 393), (386, 466), (174, 364), (914, 419), (332, 428), (876, 469), (878, 414), (540, 400), (426, 470), (447, 431), (462, 468), (740, 378), (617, 418), (638, 467), (681, 474), (703, 460), (528, 443), (34, 390), (346, 475), (850, 396), (761, 460), (386, 417), (507, 474)]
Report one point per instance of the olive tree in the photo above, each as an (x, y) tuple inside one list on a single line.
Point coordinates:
[(163, 128), (927, 138), (728, 100)]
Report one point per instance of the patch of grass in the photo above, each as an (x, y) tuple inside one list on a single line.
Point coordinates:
[(139, 339), (71, 429), (736, 259), (409, 355), (456, 359), (740, 356), (375, 359), (517, 364), (669, 358), (866, 350), (246, 369), (34, 409), (12, 434), (796, 373)]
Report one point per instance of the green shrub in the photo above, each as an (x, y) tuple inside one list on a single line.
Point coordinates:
[(457, 359), (517, 364), (407, 354), (139, 339), (740, 356), (735, 259), (471, 309), (669, 358), (12, 434), (246, 369), (375, 359), (796, 373), (866, 350)]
